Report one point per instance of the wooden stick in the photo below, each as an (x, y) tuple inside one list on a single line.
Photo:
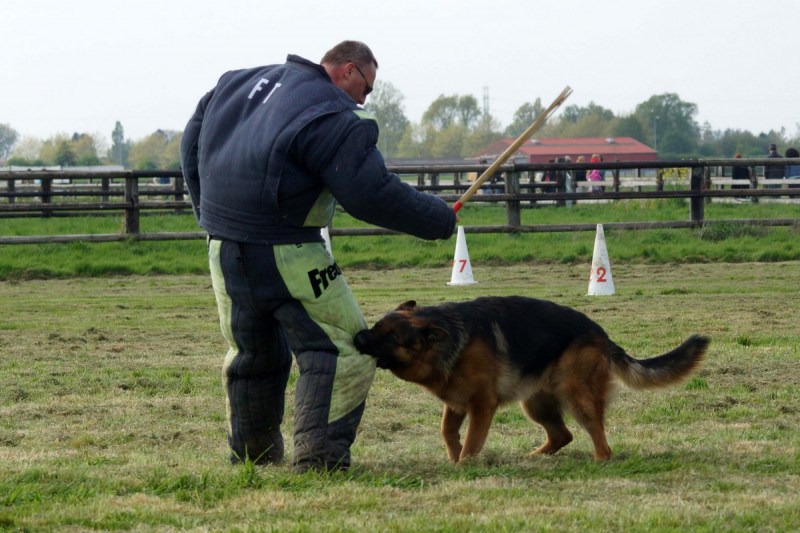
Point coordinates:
[(540, 120)]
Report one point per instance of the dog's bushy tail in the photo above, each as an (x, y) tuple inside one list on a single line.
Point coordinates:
[(662, 370)]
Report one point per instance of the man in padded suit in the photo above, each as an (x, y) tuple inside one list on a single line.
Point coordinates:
[(266, 155)]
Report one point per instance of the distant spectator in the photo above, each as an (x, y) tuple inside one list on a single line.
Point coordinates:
[(549, 176), (569, 179), (792, 171), (740, 172), (580, 175), (596, 174), (773, 172), (561, 177), (496, 184)]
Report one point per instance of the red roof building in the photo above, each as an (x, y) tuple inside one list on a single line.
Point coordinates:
[(543, 150)]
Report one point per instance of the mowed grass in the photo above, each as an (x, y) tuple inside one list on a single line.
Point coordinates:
[(112, 414)]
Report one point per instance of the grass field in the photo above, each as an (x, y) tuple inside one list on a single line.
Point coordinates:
[(112, 413), (722, 242)]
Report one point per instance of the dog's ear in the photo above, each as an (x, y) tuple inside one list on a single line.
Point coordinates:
[(433, 334), (407, 306)]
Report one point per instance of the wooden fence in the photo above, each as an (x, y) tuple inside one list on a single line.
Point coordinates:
[(518, 186)]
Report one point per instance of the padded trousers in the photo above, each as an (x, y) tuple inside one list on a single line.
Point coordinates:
[(275, 300)]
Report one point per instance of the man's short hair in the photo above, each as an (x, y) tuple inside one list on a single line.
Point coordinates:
[(345, 51)]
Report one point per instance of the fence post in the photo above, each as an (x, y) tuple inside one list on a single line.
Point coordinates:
[(753, 177), (177, 187), (104, 187), (513, 215), (12, 188), (707, 182), (569, 183), (753, 182), (696, 203), (132, 199), (561, 184), (47, 191)]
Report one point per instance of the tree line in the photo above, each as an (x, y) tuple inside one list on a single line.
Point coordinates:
[(159, 150), (453, 126)]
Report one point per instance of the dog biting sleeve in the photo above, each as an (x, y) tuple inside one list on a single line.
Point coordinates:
[(321, 321)]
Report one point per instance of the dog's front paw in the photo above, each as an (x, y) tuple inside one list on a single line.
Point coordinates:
[(454, 452), (467, 459)]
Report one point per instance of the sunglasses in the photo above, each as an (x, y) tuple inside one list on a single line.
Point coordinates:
[(368, 87)]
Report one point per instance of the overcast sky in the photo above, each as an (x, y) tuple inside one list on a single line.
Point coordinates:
[(81, 65)]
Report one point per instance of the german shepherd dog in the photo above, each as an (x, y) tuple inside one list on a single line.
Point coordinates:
[(480, 354)]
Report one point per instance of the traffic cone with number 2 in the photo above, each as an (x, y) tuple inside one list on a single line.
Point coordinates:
[(462, 270), (600, 280)]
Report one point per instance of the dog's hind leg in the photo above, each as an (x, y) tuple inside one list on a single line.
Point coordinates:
[(584, 386), (451, 425), (545, 409), (590, 416)]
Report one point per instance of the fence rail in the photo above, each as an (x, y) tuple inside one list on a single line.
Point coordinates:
[(518, 186)]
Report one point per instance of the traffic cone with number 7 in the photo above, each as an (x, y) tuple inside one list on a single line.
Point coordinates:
[(462, 269), (600, 280)]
